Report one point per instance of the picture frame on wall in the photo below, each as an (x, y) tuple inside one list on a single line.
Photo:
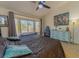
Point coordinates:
[(61, 19)]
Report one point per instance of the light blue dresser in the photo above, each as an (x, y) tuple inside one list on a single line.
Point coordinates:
[(60, 35)]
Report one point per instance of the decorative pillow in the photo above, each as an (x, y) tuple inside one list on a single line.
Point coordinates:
[(16, 50)]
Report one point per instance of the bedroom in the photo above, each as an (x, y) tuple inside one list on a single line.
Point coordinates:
[(24, 17)]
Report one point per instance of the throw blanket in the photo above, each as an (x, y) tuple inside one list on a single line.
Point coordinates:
[(42, 47)]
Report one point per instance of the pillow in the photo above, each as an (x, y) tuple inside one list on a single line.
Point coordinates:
[(16, 50)]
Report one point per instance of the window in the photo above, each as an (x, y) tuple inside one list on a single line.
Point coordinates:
[(18, 26), (24, 25), (3, 20), (27, 26), (30, 26)]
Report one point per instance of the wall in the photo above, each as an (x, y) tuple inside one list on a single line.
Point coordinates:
[(4, 32), (73, 9)]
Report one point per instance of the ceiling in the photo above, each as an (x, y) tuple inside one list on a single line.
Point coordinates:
[(28, 8)]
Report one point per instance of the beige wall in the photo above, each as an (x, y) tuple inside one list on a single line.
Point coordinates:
[(73, 9), (4, 32)]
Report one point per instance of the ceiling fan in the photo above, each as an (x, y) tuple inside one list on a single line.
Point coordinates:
[(41, 4)]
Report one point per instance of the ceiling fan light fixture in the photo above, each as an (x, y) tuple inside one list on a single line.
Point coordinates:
[(40, 6)]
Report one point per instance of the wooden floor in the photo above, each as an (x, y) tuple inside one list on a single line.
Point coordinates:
[(71, 50)]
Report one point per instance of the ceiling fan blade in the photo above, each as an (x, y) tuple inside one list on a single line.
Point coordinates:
[(37, 8), (41, 4), (46, 6)]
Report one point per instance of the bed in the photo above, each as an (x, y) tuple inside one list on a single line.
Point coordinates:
[(42, 47)]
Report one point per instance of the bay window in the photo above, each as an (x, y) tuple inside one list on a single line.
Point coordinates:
[(25, 25)]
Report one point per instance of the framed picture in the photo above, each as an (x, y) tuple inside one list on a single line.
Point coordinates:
[(61, 19)]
